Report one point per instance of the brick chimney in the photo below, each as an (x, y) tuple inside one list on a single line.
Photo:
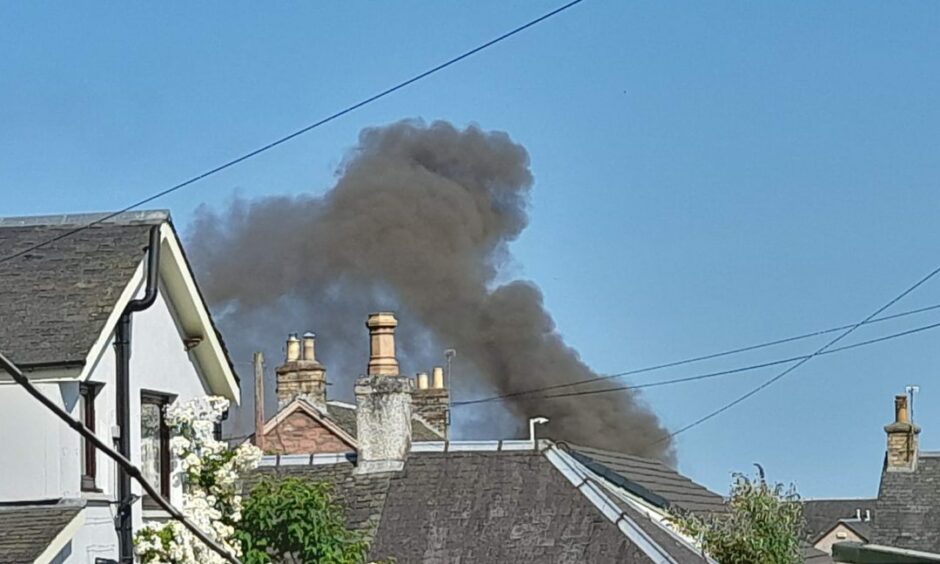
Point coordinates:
[(382, 360), (901, 455), (301, 376), (432, 400)]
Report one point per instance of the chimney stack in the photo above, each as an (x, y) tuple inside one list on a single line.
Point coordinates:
[(901, 454), (301, 376), (433, 403), (383, 422), (382, 360)]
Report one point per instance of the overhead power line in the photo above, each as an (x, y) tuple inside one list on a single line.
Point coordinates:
[(688, 360), (790, 369), (21, 379), (299, 132), (711, 375)]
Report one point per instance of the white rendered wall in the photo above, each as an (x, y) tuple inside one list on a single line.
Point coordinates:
[(40, 456)]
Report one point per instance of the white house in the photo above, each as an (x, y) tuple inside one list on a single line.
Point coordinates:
[(60, 307)]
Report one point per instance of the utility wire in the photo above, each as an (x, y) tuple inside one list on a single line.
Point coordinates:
[(741, 369), (299, 132), (124, 463), (689, 360), (788, 370)]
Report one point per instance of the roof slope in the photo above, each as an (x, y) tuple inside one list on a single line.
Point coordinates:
[(486, 507), (820, 515), (908, 507), (362, 497), (344, 415), (493, 507), (27, 531), (54, 301), (652, 480)]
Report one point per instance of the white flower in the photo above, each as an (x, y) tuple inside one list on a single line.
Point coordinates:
[(197, 450)]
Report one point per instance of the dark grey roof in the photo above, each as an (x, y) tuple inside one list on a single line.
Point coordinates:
[(652, 480), (345, 417), (26, 531), (860, 528), (812, 555), (362, 497), (486, 507), (908, 507), (54, 301), (820, 515)]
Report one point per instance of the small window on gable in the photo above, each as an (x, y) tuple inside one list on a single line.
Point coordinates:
[(155, 443), (86, 414)]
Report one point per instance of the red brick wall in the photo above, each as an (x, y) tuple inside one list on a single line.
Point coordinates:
[(301, 434)]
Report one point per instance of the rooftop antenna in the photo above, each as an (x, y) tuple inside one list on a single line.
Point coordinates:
[(449, 355), (911, 391)]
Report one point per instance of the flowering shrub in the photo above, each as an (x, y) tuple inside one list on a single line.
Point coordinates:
[(296, 520), (211, 491)]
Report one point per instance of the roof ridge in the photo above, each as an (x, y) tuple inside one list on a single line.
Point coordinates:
[(77, 219)]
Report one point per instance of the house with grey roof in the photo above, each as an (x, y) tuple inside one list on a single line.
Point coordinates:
[(902, 524), (417, 497), (107, 321)]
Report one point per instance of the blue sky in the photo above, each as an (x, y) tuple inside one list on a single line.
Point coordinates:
[(707, 176)]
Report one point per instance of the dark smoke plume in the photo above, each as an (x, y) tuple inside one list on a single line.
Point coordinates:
[(418, 222)]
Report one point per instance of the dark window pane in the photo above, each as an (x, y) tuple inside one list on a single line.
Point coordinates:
[(150, 444)]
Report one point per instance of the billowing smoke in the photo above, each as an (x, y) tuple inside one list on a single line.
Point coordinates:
[(418, 222)]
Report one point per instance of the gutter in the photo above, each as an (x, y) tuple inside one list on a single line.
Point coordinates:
[(122, 349)]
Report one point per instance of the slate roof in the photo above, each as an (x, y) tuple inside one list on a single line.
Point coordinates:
[(345, 416), (860, 528), (908, 507), (820, 515), (481, 507), (812, 555), (652, 480), (26, 531), (54, 301)]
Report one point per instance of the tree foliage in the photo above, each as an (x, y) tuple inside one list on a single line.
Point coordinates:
[(296, 520), (763, 524)]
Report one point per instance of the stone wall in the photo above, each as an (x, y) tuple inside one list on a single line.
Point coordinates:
[(300, 433)]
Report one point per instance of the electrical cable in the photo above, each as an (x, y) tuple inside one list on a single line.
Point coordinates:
[(689, 360), (800, 363), (741, 369), (298, 132)]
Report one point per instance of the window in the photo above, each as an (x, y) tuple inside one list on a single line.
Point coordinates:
[(86, 414), (155, 443)]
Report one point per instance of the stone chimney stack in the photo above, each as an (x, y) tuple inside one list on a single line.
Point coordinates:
[(382, 360), (383, 422), (432, 402), (902, 439), (301, 376)]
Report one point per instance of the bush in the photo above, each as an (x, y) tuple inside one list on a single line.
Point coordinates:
[(296, 520), (763, 524)]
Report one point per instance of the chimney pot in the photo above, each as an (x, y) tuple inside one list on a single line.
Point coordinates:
[(422, 380), (293, 347), (438, 378), (382, 359), (901, 414), (309, 339)]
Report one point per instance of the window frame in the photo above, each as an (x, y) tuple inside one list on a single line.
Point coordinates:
[(162, 401), (87, 392)]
